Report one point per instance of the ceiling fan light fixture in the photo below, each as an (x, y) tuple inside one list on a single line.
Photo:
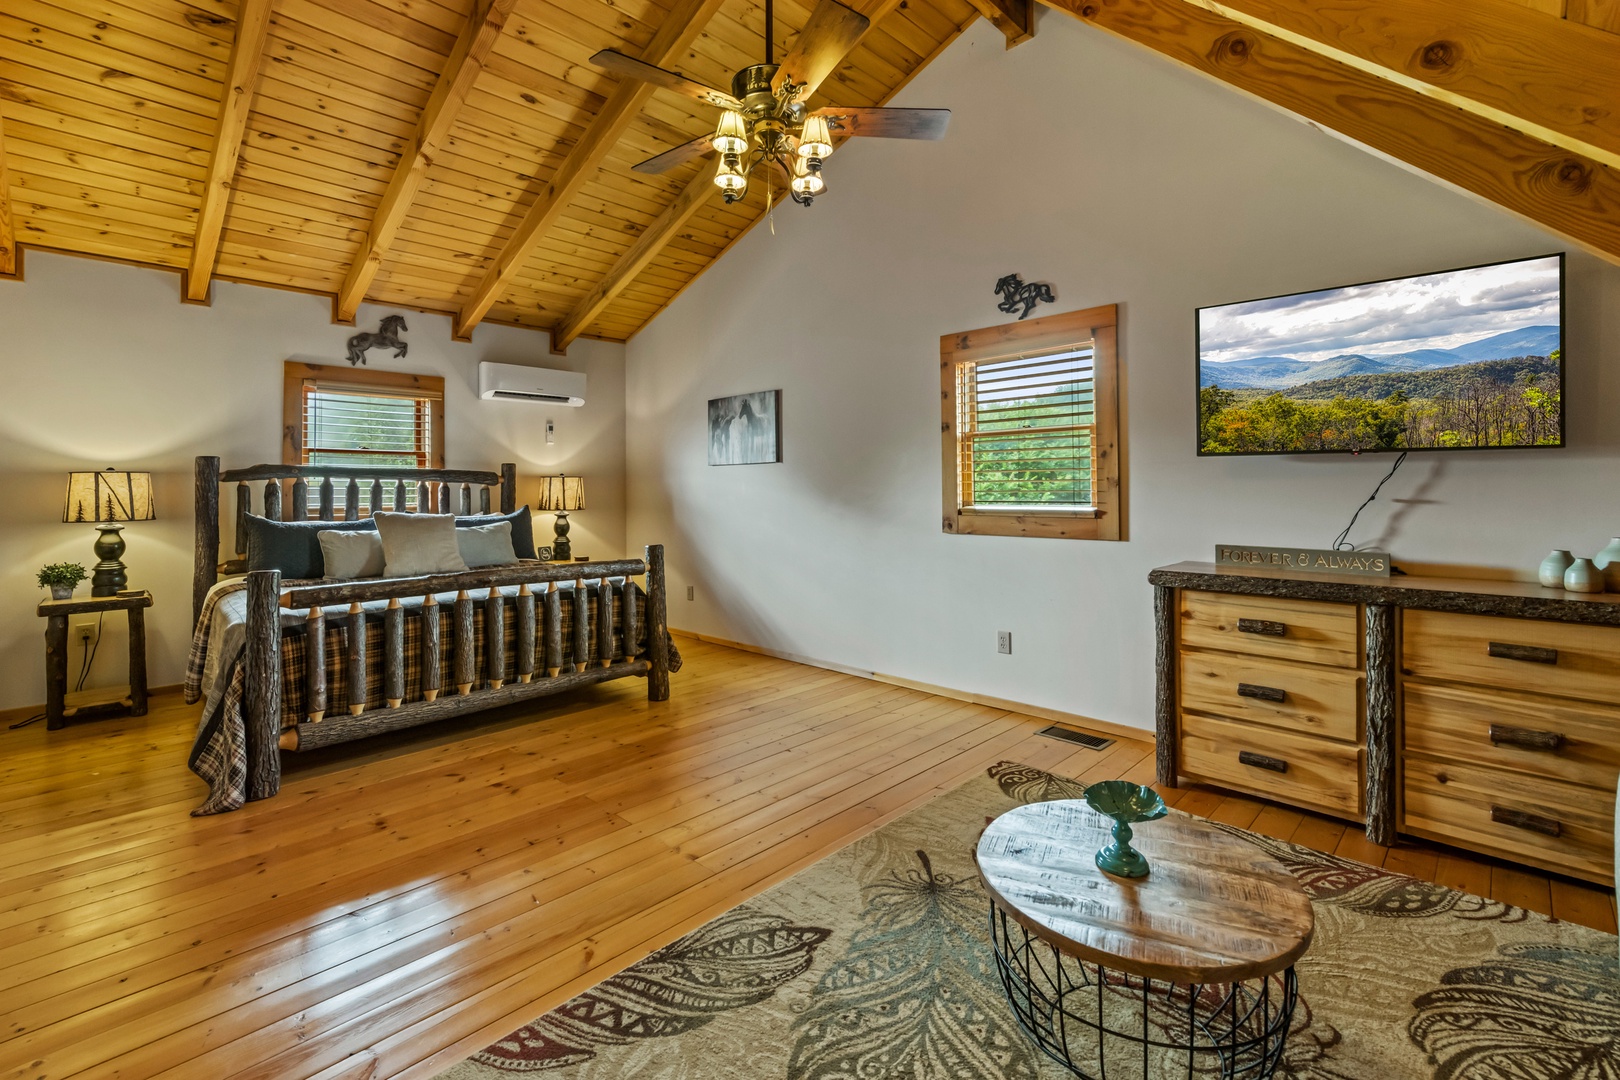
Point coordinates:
[(815, 141), (807, 181), (730, 178), (731, 137)]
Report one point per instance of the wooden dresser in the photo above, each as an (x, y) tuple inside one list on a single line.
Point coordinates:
[(1482, 714)]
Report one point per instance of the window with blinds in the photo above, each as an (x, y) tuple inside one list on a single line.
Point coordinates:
[(376, 419), (1030, 428), (1025, 427)]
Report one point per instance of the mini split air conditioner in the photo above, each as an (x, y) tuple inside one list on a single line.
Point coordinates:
[(514, 382)]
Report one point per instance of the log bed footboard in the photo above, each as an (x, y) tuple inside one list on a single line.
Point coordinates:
[(481, 676)]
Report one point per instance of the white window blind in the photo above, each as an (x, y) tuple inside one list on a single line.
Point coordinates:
[(368, 426), (1025, 427)]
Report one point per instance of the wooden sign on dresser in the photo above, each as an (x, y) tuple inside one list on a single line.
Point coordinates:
[(1483, 714)]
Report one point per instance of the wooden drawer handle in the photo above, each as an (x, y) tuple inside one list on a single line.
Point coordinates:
[(1262, 626), (1521, 820), (1261, 761), (1526, 738), (1264, 693), (1530, 654)]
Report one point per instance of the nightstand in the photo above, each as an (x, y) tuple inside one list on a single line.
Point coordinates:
[(92, 704)]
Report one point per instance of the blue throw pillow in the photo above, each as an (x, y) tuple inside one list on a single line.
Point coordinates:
[(522, 529), (292, 546)]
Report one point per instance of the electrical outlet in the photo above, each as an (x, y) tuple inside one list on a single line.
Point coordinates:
[(691, 592), (1004, 641), (85, 632)]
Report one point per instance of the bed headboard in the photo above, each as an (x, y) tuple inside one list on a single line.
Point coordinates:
[(308, 492)]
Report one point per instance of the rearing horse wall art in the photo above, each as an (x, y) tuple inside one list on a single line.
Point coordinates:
[(386, 337), (1017, 294)]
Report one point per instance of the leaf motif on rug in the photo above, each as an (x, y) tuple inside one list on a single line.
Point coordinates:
[(739, 959), (916, 995), (1371, 889), (1541, 1012), (1030, 785)]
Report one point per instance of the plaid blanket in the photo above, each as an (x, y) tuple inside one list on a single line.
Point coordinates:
[(219, 751)]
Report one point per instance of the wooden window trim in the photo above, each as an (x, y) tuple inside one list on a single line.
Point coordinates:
[(1104, 520), (292, 402)]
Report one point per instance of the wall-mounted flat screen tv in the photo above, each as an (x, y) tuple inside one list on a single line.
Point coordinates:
[(1456, 360)]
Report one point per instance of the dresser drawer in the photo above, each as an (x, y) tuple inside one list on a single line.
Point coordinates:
[(1547, 823), (1551, 737), (1296, 769), (1303, 698), (1566, 659), (1260, 626)]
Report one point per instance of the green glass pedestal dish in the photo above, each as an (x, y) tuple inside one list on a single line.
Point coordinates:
[(1126, 803)]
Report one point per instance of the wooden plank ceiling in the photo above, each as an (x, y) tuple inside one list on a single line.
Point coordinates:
[(462, 156), (333, 165)]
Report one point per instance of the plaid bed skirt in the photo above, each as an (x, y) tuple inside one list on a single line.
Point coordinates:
[(219, 752)]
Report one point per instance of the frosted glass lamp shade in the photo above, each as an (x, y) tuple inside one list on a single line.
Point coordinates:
[(561, 492), (109, 495)]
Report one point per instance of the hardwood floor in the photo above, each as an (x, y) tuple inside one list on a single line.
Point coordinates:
[(405, 901)]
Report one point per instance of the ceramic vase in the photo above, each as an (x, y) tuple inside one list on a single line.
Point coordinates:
[(1583, 577), (1608, 561), (1553, 567), (61, 592)]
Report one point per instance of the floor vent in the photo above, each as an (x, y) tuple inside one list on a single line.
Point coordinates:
[(1090, 742)]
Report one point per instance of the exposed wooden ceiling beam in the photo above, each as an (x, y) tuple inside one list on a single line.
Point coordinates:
[(667, 226), (1014, 18), (1568, 193), (466, 62), (1544, 77), (677, 32), (646, 248), (241, 76), (8, 229)]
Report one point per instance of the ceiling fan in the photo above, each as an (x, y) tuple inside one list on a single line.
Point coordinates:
[(765, 120)]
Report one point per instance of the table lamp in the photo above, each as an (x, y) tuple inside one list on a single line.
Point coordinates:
[(561, 493), (109, 498)]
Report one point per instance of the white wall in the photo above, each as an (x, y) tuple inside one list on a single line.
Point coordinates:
[(102, 365), (1079, 160)]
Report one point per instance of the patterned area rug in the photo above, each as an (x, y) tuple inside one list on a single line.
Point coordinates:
[(874, 964)]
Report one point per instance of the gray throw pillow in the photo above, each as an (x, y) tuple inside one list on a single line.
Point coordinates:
[(486, 545), (293, 547), (355, 554), (522, 529), (417, 544)]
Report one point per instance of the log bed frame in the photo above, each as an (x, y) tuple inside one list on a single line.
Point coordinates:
[(480, 682)]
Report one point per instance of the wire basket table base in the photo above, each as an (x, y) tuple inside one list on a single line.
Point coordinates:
[(1110, 1025)]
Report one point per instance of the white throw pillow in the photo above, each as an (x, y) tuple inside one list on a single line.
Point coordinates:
[(351, 554), (417, 544), (486, 545)]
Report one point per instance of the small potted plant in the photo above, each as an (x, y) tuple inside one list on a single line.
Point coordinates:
[(61, 578)]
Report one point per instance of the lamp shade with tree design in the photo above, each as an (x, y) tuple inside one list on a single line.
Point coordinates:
[(109, 498), (560, 494)]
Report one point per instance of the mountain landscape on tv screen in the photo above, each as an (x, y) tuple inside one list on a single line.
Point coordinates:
[(1283, 372), (1502, 390)]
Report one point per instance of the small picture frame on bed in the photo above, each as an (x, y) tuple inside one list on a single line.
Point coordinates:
[(544, 552), (746, 429)]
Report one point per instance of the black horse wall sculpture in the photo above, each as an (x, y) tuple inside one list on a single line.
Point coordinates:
[(1017, 294), (386, 337)]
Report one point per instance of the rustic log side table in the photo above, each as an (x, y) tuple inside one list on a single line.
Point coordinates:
[(92, 704), (1187, 971)]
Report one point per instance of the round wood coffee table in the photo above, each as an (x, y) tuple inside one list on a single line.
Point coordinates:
[(1189, 970)]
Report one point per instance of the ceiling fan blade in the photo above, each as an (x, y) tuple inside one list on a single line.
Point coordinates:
[(828, 36), (680, 155), (620, 64), (888, 123)]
